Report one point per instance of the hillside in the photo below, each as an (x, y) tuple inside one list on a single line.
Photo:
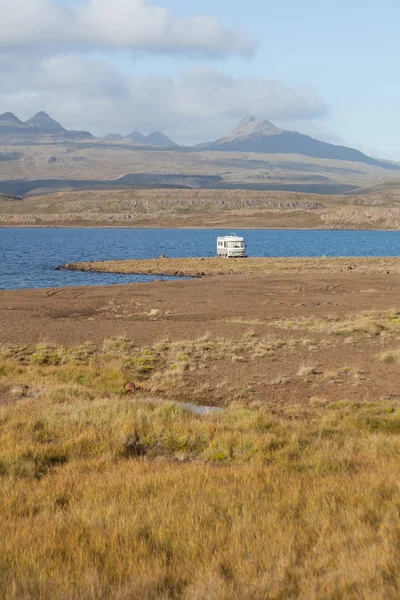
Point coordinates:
[(389, 185), (92, 160), (230, 209), (114, 137), (9, 198)]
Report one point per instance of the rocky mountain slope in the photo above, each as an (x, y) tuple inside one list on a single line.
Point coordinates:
[(254, 134), (43, 123)]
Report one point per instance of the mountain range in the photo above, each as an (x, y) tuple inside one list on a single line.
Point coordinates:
[(157, 138), (251, 135), (39, 125)]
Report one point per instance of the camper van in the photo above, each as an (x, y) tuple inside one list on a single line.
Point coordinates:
[(231, 246)]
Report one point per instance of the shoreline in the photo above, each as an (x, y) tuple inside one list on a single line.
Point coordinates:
[(210, 267), (193, 227)]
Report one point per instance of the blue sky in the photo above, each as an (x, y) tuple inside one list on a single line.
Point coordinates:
[(347, 52), (327, 68)]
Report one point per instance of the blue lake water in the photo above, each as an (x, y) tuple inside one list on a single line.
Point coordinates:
[(28, 256)]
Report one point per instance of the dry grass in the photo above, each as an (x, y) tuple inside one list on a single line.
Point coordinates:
[(389, 356), (108, 495), (306, 370), (169, 369), (366, 323), (244, 321)]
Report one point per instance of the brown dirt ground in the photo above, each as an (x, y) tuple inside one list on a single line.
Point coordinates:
[(201, 267), (344, 367)]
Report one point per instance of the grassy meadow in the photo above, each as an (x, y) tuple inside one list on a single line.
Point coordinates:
[(110, 494)]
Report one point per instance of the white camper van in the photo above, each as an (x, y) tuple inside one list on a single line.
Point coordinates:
[(231, 246)]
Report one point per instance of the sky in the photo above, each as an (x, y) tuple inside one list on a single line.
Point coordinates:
[(327, 68)]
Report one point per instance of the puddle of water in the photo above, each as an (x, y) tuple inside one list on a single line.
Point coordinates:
[(202, 410), (193, 408)]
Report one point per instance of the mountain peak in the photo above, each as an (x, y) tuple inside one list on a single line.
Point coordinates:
[(137, 137), (253, 126), (10, 119), (43, 121), (158, 138), (254, 134)]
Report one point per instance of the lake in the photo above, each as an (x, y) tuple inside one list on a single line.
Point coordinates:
[(28, 255)]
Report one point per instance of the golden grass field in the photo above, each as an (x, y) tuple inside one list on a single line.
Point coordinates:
[(106, 494), (289, 491)]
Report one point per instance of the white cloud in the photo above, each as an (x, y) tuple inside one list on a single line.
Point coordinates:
[(198, 105), (89, 78), (138, 25), (210, 93), (25, 22), (46, 63)]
